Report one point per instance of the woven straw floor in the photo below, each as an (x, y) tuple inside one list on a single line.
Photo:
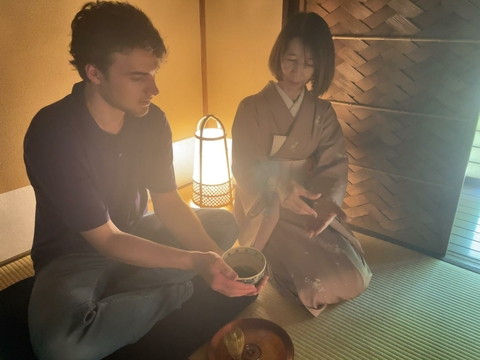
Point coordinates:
[(416, 307), (15, 271)]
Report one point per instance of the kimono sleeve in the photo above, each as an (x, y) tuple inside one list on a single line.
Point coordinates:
[(250, 166), (330, 174), (60, 175)]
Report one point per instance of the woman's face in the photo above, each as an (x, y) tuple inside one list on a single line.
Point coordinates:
[(297, 65)]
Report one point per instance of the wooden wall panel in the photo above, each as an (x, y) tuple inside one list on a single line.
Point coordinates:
[(410, 138)]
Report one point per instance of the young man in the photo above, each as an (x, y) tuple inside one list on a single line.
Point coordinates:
[(90, 157)]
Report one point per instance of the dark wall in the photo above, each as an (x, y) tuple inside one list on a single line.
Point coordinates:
[(408, 159)]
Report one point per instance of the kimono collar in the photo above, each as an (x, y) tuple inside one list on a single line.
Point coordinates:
[(282, 119), (293, 106)]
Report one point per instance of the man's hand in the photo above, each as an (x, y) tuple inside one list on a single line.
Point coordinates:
[(291, 193), (220, 277), (326, 211)]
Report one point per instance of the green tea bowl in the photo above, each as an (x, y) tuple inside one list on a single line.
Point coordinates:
[(248, 263)]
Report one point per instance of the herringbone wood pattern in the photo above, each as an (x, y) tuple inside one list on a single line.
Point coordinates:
[(406, 171)]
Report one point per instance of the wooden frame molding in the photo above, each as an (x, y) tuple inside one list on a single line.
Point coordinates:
[(203, 49)]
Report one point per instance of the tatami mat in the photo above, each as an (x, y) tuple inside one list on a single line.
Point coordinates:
[(15, 271), (415, 308)]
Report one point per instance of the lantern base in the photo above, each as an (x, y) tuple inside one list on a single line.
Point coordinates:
[(212, 196)]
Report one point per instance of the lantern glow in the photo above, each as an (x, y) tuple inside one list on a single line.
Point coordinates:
[(212, 181)]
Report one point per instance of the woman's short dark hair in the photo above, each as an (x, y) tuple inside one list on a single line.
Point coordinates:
[(315, 35), (102, 28)]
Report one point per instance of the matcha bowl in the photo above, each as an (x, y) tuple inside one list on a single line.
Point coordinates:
[(248, 263)]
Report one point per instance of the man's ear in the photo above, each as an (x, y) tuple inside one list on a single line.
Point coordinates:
[(93, 74)]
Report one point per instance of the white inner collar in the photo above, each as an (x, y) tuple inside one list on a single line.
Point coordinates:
[(293, 106)]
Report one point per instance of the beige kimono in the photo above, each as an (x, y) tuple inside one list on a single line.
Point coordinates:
[(269, 141)]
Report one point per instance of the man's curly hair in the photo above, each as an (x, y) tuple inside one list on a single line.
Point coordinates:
[(102, 28)]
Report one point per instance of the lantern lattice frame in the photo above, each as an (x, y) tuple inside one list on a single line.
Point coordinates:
[(218, 195)]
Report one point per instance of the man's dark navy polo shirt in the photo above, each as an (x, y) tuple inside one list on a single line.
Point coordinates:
[(84, 176)]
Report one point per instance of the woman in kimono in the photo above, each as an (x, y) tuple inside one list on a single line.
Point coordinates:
[(291, 166)]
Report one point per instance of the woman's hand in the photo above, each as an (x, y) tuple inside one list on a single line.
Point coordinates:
[(326, 211), (291, 193), (221, 278)]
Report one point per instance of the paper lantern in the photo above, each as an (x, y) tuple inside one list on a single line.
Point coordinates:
[(212, 178)]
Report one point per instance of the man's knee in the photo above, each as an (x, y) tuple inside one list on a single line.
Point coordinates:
[(230, 229), (221, 226), (147, 227)]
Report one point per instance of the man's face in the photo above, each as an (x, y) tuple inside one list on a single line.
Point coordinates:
[(130, 84)]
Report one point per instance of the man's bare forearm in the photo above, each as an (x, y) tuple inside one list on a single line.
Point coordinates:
[(144, 253), (133, 250)]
